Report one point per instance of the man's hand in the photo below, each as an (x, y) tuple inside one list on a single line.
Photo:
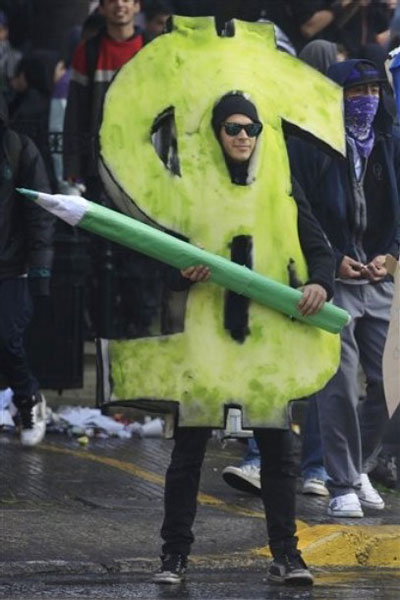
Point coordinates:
[(350, 268), (313, 298), (196, 274), (375, 270)]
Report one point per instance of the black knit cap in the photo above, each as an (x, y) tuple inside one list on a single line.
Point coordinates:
[(233, 103)]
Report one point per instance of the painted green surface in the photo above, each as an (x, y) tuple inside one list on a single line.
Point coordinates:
[(190, 69)]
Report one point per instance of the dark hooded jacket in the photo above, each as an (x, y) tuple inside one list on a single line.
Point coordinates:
[(26, 230), (327, 183), (29, 110)]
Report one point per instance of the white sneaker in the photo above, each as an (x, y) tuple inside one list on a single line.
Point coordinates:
[(245, 479), (347, 505), (368, 495), (315, 486), (33, 421)]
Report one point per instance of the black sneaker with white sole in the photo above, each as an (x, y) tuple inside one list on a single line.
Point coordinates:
[(290, 569), (32, 417), (173, 569)]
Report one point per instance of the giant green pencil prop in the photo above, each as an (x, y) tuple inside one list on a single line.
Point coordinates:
[(177, 253)]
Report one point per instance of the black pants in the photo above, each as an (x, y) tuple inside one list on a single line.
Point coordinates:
[(278, 488), (15, 314)]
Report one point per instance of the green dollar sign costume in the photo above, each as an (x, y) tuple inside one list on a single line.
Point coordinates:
[(205, 367)]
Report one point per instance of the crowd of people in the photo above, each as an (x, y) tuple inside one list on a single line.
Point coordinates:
[(50, 116)]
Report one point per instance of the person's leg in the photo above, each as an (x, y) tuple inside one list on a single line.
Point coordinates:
[(252, 456), (373, 414), (371, 337), (278, 492), (278, 487), (181, 487), (312, 464), (16, 312), (180, 502), (337, 408)]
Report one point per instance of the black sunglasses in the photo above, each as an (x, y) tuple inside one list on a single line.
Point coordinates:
[(252, 129)]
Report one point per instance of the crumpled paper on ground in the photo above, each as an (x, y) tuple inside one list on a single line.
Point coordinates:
[(7, 408), (79, 420), (85, 420)]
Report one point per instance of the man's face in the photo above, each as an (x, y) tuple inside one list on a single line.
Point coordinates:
[(157, 25), (3, 33), (238, 147), (120, 12), (365, 89)]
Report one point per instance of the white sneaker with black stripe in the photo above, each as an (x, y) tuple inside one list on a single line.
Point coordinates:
[(347, 505), (315, 487), (245, 478), (368, 495)]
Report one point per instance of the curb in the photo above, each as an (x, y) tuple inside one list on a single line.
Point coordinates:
[(349, 546), (323, 546)]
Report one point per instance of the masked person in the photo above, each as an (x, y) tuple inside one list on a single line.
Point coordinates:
[(357, 203), (237, 126)]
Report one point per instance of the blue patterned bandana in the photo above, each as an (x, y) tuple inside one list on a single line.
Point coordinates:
[(359, 114)]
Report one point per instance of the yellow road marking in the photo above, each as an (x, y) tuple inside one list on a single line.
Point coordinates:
[(132, 469), (323, 545)]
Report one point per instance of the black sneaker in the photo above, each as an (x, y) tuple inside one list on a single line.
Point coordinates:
[(173, 569), (32, 414), (291, 569)]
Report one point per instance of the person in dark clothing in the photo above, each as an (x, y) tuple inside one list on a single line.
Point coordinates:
[(237, 127), (122, 297), (156, 14), (26, 233), (29, 109), (94, 64), (9, 56), (321, 54), (351, 23), (357, 202)]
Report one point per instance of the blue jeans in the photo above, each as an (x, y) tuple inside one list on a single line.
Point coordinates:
[(15, 315), (312, 464), (252, 456)]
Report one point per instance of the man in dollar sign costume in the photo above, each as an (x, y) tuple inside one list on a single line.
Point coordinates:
[(237, 127), (240, 203)]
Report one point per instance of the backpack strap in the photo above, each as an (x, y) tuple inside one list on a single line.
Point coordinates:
[(92, 48)]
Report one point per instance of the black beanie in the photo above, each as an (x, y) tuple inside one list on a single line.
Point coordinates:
[(232, 104)]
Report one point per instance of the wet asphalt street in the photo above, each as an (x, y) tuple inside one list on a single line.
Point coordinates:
[(83, 522), (205, 584)]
